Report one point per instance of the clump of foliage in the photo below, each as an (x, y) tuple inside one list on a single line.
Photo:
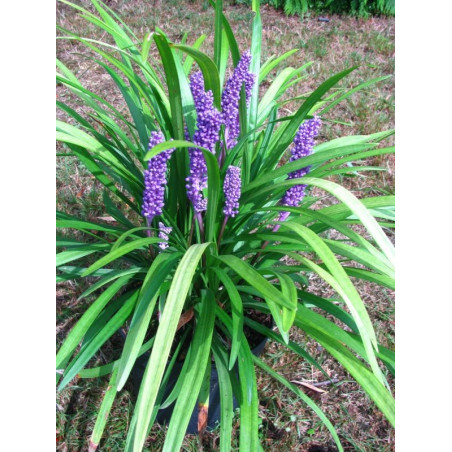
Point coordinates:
[(360, 8), (208, 206)]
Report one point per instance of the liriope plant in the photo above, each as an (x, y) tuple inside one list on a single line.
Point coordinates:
[(210, 187)]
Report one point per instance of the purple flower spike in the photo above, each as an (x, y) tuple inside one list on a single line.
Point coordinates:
[(232, 186), (155, 179), (163, 234), (304, 143), (206, 135), (231, 96), (209, 118)]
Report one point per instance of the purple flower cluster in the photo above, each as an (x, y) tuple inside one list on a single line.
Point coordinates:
[(155, 179), (163, 234), (231, 96), (209, 118), (231, 187), (209, 121), (206, 135), (303, 146)]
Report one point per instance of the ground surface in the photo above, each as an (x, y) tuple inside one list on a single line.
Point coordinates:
[(287, 425)]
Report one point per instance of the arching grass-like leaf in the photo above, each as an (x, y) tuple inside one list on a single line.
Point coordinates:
[(80, 251), (359, 210), (236, 313), (107, 331), (82, 326), (305, 108), (318, 157), (104, 411), (248, 397), (168, 323), (249, 274), (193, 379), (226, 405), (209, 71), (158, 271), (121, 251), (376, 390), (339, 280)]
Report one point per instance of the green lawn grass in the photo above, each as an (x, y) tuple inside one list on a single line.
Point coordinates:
[(344, 41)]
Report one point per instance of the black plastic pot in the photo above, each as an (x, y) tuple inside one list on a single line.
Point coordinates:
[(164, 415)]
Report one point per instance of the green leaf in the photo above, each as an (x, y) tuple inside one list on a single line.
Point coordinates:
[(353, 90), (360, 373), (235, 53), (256, 44), (188, 105), (157, 273), (98, 172), (226, 404), (177, 119), (114, 211), (70, 223), (71, 255), (72, 135), (292, 346), (146, 46), (194, 377), (189, 60), (382, 280), (96, 372), (360, 211), (213, 194), (319, 156), (271, 63), (236, 312), (104, 411), (172, 396), (249, 401), (121, 251), (82, 326), (113, 274), (171, 144), (339, 280), (126, 234), (306, 317), (223, 58), (356, 254), (209, 71), (305, 108), (167, 328), (275, 87), (289, 289), (218, 35), (249, 274), (133, 103), (109, 329)]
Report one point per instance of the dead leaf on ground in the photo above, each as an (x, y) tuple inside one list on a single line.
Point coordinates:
[(202, 417), (309, 386), (185, 318), (108, 219)]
